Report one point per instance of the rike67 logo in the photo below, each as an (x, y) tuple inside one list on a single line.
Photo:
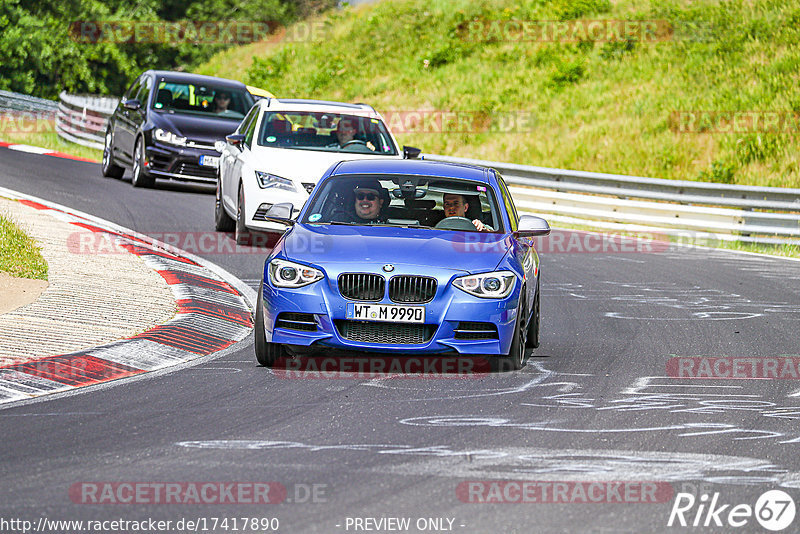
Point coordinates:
[(774, 510)]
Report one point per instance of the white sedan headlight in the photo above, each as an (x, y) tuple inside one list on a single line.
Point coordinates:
[(168, 137), (267, 180), (283, 273), (494, 285)]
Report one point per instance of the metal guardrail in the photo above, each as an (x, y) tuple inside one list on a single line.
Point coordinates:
[(707, 210), (82, 119), (18, 102)]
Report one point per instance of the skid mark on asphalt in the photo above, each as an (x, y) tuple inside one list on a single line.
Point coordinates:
[(543, 464), (673, 302)]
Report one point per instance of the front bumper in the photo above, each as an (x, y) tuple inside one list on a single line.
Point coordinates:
[(180, 163), (445, 316)]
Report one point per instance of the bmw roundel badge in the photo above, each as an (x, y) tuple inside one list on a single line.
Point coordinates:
[(388, 268)]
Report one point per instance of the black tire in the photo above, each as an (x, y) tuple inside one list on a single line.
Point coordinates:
[(141, 178), (241, 233), (515, 358), (108, 167), (222, 221), (267, 354), (532, 340)]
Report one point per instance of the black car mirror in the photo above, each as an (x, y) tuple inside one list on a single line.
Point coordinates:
[(411, 152), (531, 226), (280, 213), (133, 104)]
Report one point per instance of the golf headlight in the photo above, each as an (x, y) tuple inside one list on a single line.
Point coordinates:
[(267, 180), (283, 273), (168, 137), (495, 285)]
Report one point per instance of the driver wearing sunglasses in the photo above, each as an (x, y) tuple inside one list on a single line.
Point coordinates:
[(368, 201)]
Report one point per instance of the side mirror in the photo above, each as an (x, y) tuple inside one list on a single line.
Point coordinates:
[(235, 139), (531, 226), (280, 213), (410, 152), (133, 104)]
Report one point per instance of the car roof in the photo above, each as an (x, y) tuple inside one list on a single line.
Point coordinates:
[(298, 104), (189, 77), (437, 169)]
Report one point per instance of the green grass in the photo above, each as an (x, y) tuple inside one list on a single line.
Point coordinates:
[(597, 106), (45, 136), (19, 254)]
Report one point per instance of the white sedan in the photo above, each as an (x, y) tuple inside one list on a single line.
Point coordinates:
[(280, 151)]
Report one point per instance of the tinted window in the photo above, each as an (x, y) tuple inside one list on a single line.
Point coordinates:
[(132, 90), (197, 99), (423, 205), (329, 132), (144, 91)]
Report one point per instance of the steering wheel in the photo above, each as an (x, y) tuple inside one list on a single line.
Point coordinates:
[(359, 141), (455, 223)]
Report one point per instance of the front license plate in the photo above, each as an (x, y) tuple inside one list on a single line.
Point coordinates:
[(209, 161), (385, 312)]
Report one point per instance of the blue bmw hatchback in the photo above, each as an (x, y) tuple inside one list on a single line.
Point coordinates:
[(402, 257)]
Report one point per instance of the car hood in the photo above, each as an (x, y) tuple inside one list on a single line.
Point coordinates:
[(379, 245), (302, 165), (195, 127)]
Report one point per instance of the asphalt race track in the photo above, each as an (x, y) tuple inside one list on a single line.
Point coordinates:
[(594, 403)]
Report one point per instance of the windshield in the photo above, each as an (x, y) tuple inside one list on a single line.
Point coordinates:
[(414, 201), (205, 100), (328, 132)]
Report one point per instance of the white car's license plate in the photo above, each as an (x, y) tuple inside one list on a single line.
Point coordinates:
[(385, 312), (209, 161)]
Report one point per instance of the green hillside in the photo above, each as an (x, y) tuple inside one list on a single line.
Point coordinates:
[(607, 103)]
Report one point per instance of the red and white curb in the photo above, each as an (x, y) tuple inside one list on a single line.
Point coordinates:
[(213, 313), (30, 149)]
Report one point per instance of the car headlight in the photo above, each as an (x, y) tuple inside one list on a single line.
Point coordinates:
[(168, 137), (494, 285), (283, 273), (267, 180)]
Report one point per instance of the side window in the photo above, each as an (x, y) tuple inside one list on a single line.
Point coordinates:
[(132, 90), (510, 208), (250, 130), (144, 91), (245, 124)]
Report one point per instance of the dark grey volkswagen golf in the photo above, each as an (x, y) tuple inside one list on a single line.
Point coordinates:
[(166, 126)]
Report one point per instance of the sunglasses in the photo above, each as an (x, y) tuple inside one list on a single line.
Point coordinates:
[(366, 196), (223, 97)]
